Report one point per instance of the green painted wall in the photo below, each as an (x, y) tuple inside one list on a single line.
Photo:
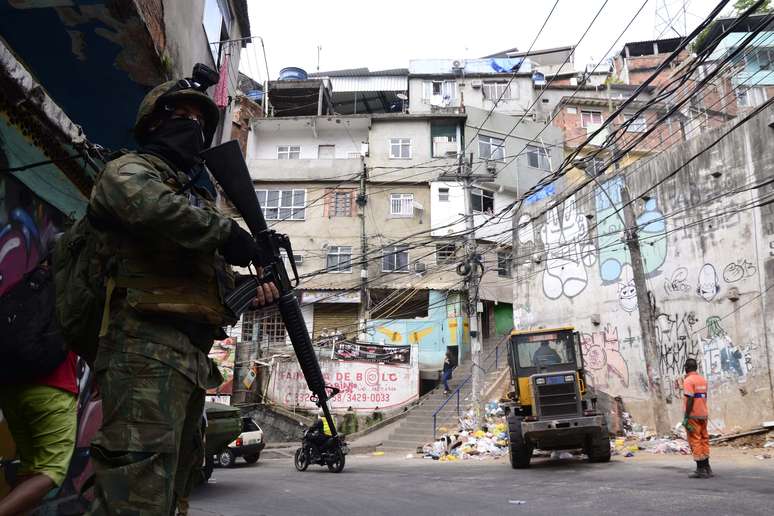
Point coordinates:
[(503, 318)]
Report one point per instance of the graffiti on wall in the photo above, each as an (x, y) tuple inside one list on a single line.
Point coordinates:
[(738, 270), (722, 359), (627, 291), (603, 358), (677, 283), (223, 354), (708, 283), (569, 251), (613, 255), (27, 225), (674, 334)]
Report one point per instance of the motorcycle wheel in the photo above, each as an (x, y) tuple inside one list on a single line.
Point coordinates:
[(301, 460), (338, 462)]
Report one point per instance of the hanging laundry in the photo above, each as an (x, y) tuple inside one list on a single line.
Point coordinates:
[(221, 89)]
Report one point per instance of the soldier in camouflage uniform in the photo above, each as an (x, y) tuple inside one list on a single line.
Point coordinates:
[(169, 248)]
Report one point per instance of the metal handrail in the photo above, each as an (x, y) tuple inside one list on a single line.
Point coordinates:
[(457, 391)]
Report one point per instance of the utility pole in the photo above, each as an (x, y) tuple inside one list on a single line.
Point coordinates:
[(362, 200), (647, 319), (467, 178)]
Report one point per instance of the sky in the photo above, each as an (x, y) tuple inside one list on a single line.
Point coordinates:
[(387, 34)]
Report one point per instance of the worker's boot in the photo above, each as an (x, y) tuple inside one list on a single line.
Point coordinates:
[(708, 468), (700, 472)]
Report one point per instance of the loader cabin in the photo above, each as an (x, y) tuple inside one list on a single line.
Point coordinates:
[(542, 351)]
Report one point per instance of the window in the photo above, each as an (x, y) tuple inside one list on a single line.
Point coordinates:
[(217, 24), (482, 200), (591, 118), (395, 259), (400, 148), (444, 253), (443, 137), (765, 59), (288, 152), (490, 147), (339, 259), (504, 264), (537, 157), (443, 194), (444, 89), (339, 203), (637, 124), (326, 152), (282, 204), (492, 90), (272, 330), (402, 205)]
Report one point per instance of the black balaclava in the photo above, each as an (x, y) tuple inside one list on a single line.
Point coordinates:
[(178, 140)]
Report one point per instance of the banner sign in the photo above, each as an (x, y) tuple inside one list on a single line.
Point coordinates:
[(372, 353), (365, 386)]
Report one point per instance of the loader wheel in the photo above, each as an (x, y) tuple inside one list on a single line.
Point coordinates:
[(598, 448), (520, 450)]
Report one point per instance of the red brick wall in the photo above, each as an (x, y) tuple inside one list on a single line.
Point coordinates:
[(152, 12), (244, 111)]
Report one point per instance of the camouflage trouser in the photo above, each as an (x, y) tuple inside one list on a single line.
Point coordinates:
[(150, 439)]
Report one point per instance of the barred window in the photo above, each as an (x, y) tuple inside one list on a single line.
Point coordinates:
[(444, 253), (504, 264), (402, 205)]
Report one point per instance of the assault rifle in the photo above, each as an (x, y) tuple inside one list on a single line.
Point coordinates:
[(229, 169)]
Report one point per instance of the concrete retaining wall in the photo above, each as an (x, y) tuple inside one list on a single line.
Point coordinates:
[(709, 258)]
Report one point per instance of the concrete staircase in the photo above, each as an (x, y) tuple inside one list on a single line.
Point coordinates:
[(416, 428)]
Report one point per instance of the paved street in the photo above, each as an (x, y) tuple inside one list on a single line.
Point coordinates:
[(393, 485)]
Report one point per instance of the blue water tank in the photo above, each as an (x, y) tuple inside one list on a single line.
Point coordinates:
[(256, 95), (291, 73)]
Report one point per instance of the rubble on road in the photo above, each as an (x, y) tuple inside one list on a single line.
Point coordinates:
[(473, 439)]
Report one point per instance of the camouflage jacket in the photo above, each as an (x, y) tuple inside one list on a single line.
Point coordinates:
[(168, 280)]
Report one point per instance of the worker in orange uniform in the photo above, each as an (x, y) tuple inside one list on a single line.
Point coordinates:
[(695, 419)]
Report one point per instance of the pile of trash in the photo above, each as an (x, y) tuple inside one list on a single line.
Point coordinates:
[(487, 439), (639, 438)]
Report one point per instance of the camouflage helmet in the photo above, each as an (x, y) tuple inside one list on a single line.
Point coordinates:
[(171, 92)]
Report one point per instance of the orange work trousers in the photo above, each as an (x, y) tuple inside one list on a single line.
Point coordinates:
[(698, 439)]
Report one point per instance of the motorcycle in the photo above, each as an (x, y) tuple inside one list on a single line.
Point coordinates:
[(331, 454)]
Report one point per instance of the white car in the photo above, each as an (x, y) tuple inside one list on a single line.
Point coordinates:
[(248, 445)]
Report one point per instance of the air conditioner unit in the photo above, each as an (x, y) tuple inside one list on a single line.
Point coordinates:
[(491, 166), (458, 64), (476, 83), (419, 267)]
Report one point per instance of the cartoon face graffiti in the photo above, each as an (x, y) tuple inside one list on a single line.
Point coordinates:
[(627, 293), (709, 284), (568, 252), (627, 296)]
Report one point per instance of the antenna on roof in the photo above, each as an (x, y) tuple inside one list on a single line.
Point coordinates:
[(319, 48)]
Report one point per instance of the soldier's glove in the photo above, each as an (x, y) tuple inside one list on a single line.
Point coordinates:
[(240, 248)]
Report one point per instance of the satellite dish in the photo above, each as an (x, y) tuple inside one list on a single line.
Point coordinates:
[(402, 96)]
